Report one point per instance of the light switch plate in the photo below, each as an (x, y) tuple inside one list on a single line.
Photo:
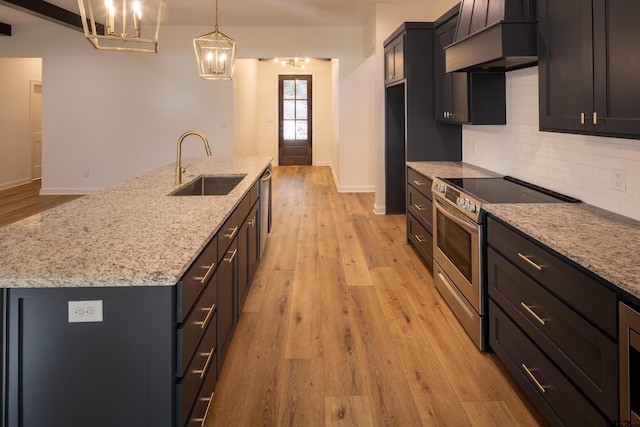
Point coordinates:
[(85, 311)]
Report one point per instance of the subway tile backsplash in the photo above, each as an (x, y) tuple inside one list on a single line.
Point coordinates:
[(576, 165)]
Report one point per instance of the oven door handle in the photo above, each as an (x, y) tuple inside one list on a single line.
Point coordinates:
[(471, 227)]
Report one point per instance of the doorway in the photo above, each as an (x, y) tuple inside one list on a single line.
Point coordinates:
[(36, 129), (294, 120)]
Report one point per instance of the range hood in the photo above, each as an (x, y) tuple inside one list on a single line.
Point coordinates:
[(494, 35)]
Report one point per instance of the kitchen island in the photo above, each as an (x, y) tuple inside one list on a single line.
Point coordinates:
[(119, 306)]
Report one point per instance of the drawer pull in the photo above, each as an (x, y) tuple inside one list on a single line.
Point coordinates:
[(252, 222), (206, 412), (581, 118), (205, 368), (418, 183), (531, 263), (207, 319), (231, 235), (420, 239), (233, 255), (534, 379), (532, 313), (206, 276), (595, 118), (419, 207)]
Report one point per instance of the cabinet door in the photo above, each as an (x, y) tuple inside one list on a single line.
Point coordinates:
[(451, 90), (565, 65), (616, 67), (394, 60), (227, 288), (248, 255)]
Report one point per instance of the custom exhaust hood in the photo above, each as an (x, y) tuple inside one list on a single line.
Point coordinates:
[(494, 35)]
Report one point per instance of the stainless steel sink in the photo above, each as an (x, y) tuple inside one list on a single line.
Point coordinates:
[(209, 186)]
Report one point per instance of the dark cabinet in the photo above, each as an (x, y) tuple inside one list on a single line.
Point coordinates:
[(554, 327), (466, 98), (420, 215), (248, 247), (588, 67), (394, 61), (411, 130)]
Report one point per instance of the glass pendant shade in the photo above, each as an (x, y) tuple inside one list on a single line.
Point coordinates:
[(122, 29), (216, 54)]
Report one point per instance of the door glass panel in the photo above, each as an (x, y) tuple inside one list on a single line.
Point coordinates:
[(301, 110), (289, 89), (301, 129), (289, 129), (301, 89), (288, 110)]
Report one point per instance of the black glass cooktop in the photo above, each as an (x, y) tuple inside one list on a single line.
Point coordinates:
[(508, 190)]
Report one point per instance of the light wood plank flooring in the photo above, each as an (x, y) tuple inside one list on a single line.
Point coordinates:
[(24, 200), (343, 327)]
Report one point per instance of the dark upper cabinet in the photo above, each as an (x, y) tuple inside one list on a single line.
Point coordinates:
[(411, 131), (394, 61), (588, 67), (465, 98)]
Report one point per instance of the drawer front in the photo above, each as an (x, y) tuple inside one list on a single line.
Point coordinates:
[(253, 194), (421, 238), (419, 182), (582, 292), (203, 363), (243, 208), (587, 356), (200, 410), (421, 207), (195, 279), (553, 395), (192, 329), (227, 233)]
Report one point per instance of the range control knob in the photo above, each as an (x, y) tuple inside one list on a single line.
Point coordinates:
[(472, 207)]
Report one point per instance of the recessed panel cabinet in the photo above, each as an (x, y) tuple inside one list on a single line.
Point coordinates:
[(588, 67), (394, 61), (465, 98)]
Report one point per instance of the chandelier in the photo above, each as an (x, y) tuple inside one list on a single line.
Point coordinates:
[(292, 62), (122, 28), (215, 54)]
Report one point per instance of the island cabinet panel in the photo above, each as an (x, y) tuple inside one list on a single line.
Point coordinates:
[(420, 215), (114, 372), (554, 326), (227, 294), (588, 67), (248, 254)]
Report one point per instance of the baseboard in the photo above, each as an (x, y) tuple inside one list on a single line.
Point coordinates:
[(16, 183)]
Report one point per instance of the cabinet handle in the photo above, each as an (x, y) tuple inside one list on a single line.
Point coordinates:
[(207, 318), (595, 118), (233, 230), (420, 239), (206, 276), (418, 183), (205, 368), (233, 255), (534, 379), (252, 222), (531, 263), (532, 313), (206, 412), (419, 207), (581, 118)]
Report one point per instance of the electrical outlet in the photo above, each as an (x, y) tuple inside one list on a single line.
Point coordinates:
[(619, 182), (85, 173), (85, 311)]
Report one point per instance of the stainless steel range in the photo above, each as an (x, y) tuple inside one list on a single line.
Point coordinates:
[(457, 240)]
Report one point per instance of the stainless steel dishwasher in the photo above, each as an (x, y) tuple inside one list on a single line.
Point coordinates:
[(265, 208), (629, 325)]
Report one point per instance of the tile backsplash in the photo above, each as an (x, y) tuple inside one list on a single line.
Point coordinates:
[(576, 165)]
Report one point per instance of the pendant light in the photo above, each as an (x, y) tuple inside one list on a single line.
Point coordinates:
[(122, 29), (216, 54)]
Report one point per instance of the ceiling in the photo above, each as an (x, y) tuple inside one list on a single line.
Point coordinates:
[(234, 12)]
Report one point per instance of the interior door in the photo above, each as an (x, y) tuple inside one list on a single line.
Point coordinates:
[(36, 130), (294, 139)]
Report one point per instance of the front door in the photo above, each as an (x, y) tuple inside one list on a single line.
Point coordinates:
[(294, 139)]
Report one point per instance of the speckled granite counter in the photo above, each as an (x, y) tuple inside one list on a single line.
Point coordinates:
[(600, 241), (130, 234)]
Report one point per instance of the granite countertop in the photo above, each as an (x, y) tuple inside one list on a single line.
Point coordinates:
[(603, 242), (130, 234)]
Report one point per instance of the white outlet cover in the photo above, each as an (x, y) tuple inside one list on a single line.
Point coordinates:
[(85, 311)]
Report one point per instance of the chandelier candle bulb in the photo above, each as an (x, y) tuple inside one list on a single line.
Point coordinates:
[(137, 17)]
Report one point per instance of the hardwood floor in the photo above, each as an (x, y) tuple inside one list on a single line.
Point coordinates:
[(343, 326), (23, 201)]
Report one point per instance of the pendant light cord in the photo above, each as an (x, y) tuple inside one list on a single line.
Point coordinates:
[(216, 16)]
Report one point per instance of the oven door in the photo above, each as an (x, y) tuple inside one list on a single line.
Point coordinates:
[(456, 247)]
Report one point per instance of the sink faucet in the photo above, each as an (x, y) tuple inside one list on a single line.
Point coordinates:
[(179, 168)]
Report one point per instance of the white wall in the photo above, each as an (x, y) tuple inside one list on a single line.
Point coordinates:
[(576, 165), (114, 115), (15, 119)]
